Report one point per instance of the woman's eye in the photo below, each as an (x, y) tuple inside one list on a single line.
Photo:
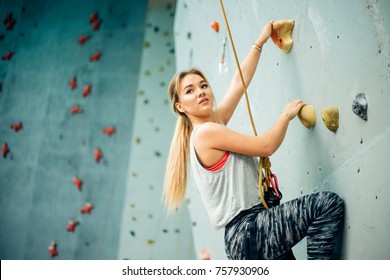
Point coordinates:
[(205, 86), (189, 91)]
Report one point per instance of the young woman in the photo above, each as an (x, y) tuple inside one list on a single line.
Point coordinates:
[(225, 167)]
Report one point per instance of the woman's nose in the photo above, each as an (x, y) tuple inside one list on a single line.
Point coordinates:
[(201, 92)]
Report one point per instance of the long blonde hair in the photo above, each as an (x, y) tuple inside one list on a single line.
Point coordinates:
[(176, 172)]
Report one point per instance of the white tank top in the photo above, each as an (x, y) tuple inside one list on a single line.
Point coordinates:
[(228, 191)]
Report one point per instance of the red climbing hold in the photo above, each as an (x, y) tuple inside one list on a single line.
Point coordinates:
[(76, 109), (109, 130), (98, 155), (53, 249), (16, 126), (87, 90), (10, 24), (94, 17), (95, 57), (8, 18), (73, 82), (96, 24), (9, 21), (86, 209), (7, 56), (215, 26), (72, 225), (83, 39), (5, 149), (78, 183)]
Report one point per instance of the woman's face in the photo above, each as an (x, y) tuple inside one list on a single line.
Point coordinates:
[(195, 96)]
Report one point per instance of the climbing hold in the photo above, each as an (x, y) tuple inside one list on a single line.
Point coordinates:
[(53, 249), (150, 242), (87, 208), (8, 18), (10, 24), (330, 116), (72, 225), (95, 57), (96, 24), (87, 90), (16, 126), (73, 82), (109, 130), (215, 26), (83, 39), (307, 116), (76, 109), (205, 254), (7, 56), (281, 34), (360, 106), (94, 17), (5, 150), (9, 21), (95, 21), (78, 183), (98, 155)]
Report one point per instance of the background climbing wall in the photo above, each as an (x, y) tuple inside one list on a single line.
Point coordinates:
[(146, 231), (68, 86), (341, 49)]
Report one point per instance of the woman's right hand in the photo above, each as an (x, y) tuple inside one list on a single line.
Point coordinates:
[(292, 109)]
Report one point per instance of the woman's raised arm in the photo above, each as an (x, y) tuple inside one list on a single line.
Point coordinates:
[(235, 91)]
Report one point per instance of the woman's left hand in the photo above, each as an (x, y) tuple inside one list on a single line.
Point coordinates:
[(265, 34)]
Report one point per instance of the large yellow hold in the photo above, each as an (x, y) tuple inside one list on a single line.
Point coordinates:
[(330, 116), (281, 34), (307, 116)]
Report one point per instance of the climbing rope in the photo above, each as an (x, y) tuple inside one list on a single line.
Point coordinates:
[(264, 162)]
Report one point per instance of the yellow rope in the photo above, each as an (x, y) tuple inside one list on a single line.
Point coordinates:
[(264, 162)]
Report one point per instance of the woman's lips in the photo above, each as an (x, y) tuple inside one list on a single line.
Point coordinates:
[(203, 100)]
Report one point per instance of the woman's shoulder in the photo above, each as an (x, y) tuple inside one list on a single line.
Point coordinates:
[(207, 129), (210, 126)]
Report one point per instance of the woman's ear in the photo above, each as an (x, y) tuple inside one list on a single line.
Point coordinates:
[(179, 107)]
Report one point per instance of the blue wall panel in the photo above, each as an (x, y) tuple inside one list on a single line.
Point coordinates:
[(37, 197)]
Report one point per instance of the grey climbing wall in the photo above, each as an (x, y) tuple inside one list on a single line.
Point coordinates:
[(146, 231), (68, 85), (341, 49)]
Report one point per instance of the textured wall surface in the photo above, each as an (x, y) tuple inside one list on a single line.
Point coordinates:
[(146, 231), (341, 49), (37, 196)]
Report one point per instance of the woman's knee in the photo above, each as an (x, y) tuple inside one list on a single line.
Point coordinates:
[(333, 202)]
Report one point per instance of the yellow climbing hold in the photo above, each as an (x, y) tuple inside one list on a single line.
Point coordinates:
[(330, 116), (281, 34), (307, 116)]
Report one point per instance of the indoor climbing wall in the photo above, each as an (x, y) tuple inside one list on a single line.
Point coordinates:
[(340, 59), (146, 231), (68, 87)]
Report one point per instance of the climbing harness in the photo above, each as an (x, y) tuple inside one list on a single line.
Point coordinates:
[(266, 191)]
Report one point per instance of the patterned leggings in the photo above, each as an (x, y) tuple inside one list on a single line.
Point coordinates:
[(317, 216)]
